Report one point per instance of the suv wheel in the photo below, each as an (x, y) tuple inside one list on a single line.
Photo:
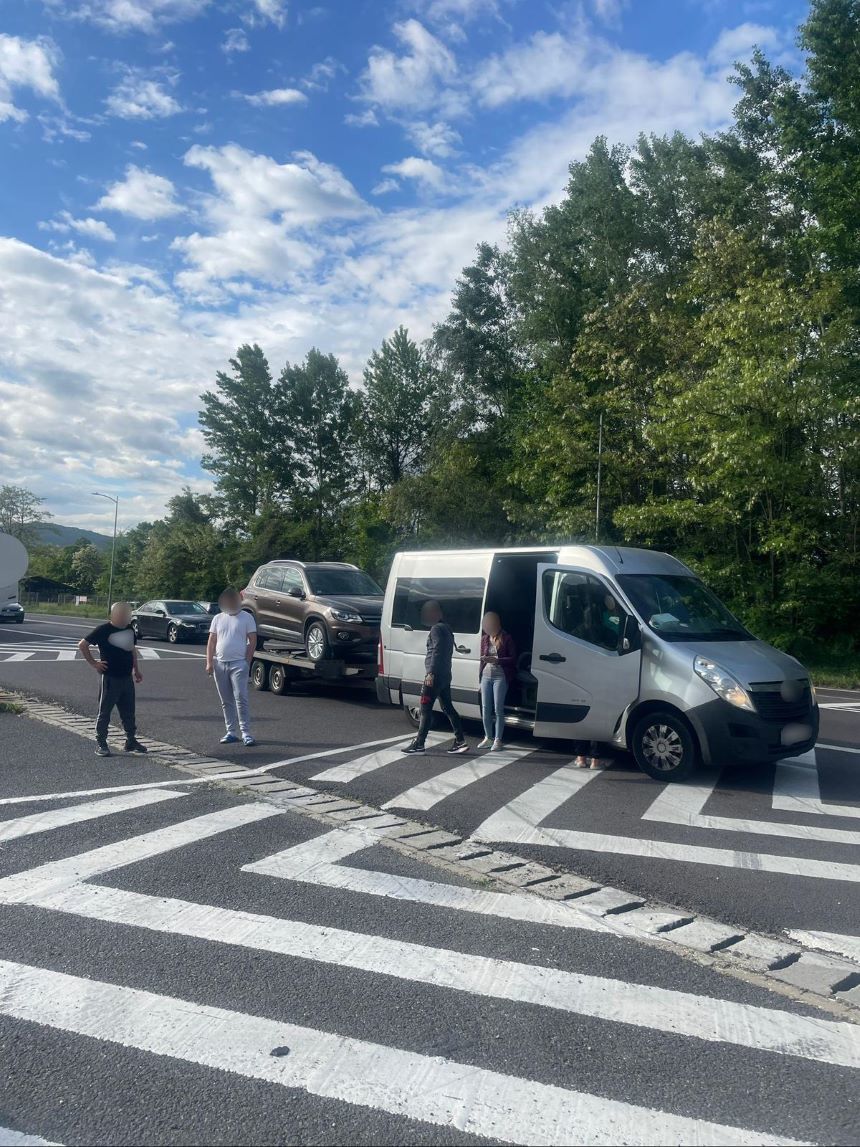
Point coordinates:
[(316, 641), (664, 746)]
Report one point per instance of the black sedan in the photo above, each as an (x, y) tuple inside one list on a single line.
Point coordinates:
[(173, 620)]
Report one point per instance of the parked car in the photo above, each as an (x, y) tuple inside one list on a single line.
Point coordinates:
[(12, 611), (173, 620), (331, 608), (211, 607)]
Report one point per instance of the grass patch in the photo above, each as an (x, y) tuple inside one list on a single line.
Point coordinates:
[(837, 672), (69, 610), (11, 707)]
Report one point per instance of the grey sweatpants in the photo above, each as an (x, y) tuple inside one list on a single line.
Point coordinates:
[(231, 680), (117, 691)]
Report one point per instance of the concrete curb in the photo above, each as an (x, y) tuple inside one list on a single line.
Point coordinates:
[(805, 974)]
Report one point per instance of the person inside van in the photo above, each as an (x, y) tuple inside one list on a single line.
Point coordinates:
[(437, 680), (498, 666)]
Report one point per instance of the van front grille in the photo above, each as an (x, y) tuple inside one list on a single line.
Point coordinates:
[(772, 706)]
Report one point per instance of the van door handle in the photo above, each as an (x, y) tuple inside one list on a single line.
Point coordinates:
[(555, 658), (463, 649)]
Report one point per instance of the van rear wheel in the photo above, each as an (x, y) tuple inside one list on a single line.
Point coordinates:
[(664, 746)]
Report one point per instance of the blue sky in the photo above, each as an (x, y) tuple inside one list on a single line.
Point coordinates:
[(181, 176)]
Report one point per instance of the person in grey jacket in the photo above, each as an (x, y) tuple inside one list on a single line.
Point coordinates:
[(437, 680)]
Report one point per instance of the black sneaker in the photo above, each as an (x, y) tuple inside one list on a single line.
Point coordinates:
[(102, 749), (135, 747), (458, 747), (414, 749)]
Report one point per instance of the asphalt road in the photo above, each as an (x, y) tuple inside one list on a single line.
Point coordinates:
[(163, 981), (772, 849)]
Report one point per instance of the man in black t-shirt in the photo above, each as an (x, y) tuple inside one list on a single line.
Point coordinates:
[(117, 666)]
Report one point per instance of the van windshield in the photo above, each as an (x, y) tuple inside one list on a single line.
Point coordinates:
[(353, 583), (681, 608)]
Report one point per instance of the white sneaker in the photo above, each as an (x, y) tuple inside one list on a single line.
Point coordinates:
[(496, 746), (485, 744)]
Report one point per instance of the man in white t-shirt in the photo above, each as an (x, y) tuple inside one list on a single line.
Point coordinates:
[(229, 653)]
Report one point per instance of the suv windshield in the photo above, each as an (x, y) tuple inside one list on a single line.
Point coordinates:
[(681, 608), (333, 582), (184, 607)]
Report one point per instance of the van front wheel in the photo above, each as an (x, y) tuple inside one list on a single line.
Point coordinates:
[(664, 746)]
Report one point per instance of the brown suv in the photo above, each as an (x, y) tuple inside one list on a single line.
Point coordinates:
[(332, 609)]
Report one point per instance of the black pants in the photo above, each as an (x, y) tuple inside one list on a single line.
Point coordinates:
[(117, 691), (429, 695)]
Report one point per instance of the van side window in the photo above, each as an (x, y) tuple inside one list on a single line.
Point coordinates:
[(581, 606), (462, 601)]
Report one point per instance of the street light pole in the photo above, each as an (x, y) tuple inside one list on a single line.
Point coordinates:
[(115, 501), (599, 475)]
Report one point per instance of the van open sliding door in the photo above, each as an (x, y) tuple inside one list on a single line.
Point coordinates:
[(586, 678)]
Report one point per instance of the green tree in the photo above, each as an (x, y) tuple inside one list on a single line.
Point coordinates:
[(401, 409), (20, 512), (243, 425), (86, 567)]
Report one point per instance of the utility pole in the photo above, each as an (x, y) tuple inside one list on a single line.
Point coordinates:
[(599, 474), (115, 501)]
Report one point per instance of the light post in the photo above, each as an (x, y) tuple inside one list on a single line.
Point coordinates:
[(115, 501)]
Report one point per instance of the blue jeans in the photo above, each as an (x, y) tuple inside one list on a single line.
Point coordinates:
[(231, 680), (493, 692)]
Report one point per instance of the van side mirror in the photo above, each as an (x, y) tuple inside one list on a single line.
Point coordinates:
[(631, 635)]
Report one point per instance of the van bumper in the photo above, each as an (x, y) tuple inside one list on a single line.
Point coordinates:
[(730, 735)]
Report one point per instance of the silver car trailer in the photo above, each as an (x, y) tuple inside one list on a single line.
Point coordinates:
[(622, 646), (276, 669)]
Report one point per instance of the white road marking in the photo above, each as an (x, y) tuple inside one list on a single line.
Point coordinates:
[(833, 942), (10, 1138), (519, 823), (351, 770), (59, 875), (837, 748), (796, 789), (641, 1005), (237, 773), (469, 1099), (683, 804), (18, 657), (77, 813), (848, 706), (435, 789), (318, 862)]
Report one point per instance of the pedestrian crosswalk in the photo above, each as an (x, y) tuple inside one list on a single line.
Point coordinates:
[(358, 968), (19, 651)]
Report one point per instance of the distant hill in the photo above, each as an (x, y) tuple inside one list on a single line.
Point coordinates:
[(51, 534)]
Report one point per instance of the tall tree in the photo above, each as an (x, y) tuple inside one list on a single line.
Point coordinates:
[(401, 410), (247, 450), (319, 417), (21, 511)]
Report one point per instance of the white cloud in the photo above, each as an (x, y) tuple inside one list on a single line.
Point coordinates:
[(414, 80), (385, 187), (141, 194), (437, 139), (90, 228), (260, 216), (424, 172), (267, 12), (276, 97), (322, 73), (132, 15), (235, 40), (547, 64), (443, 11), (26, 64), (367, 118), (138, 96), (735, 44), (609, 11)]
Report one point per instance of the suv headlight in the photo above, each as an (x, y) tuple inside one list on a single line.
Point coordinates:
[(723, 683), (345, 615)]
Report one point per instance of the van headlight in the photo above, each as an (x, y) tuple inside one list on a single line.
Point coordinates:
[(346, 615), (723, 683)]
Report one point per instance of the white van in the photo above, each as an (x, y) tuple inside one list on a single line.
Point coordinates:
[(623, 646)]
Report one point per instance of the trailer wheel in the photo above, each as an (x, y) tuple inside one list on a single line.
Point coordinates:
[(664, 746), (259, 675), (278, 680)]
